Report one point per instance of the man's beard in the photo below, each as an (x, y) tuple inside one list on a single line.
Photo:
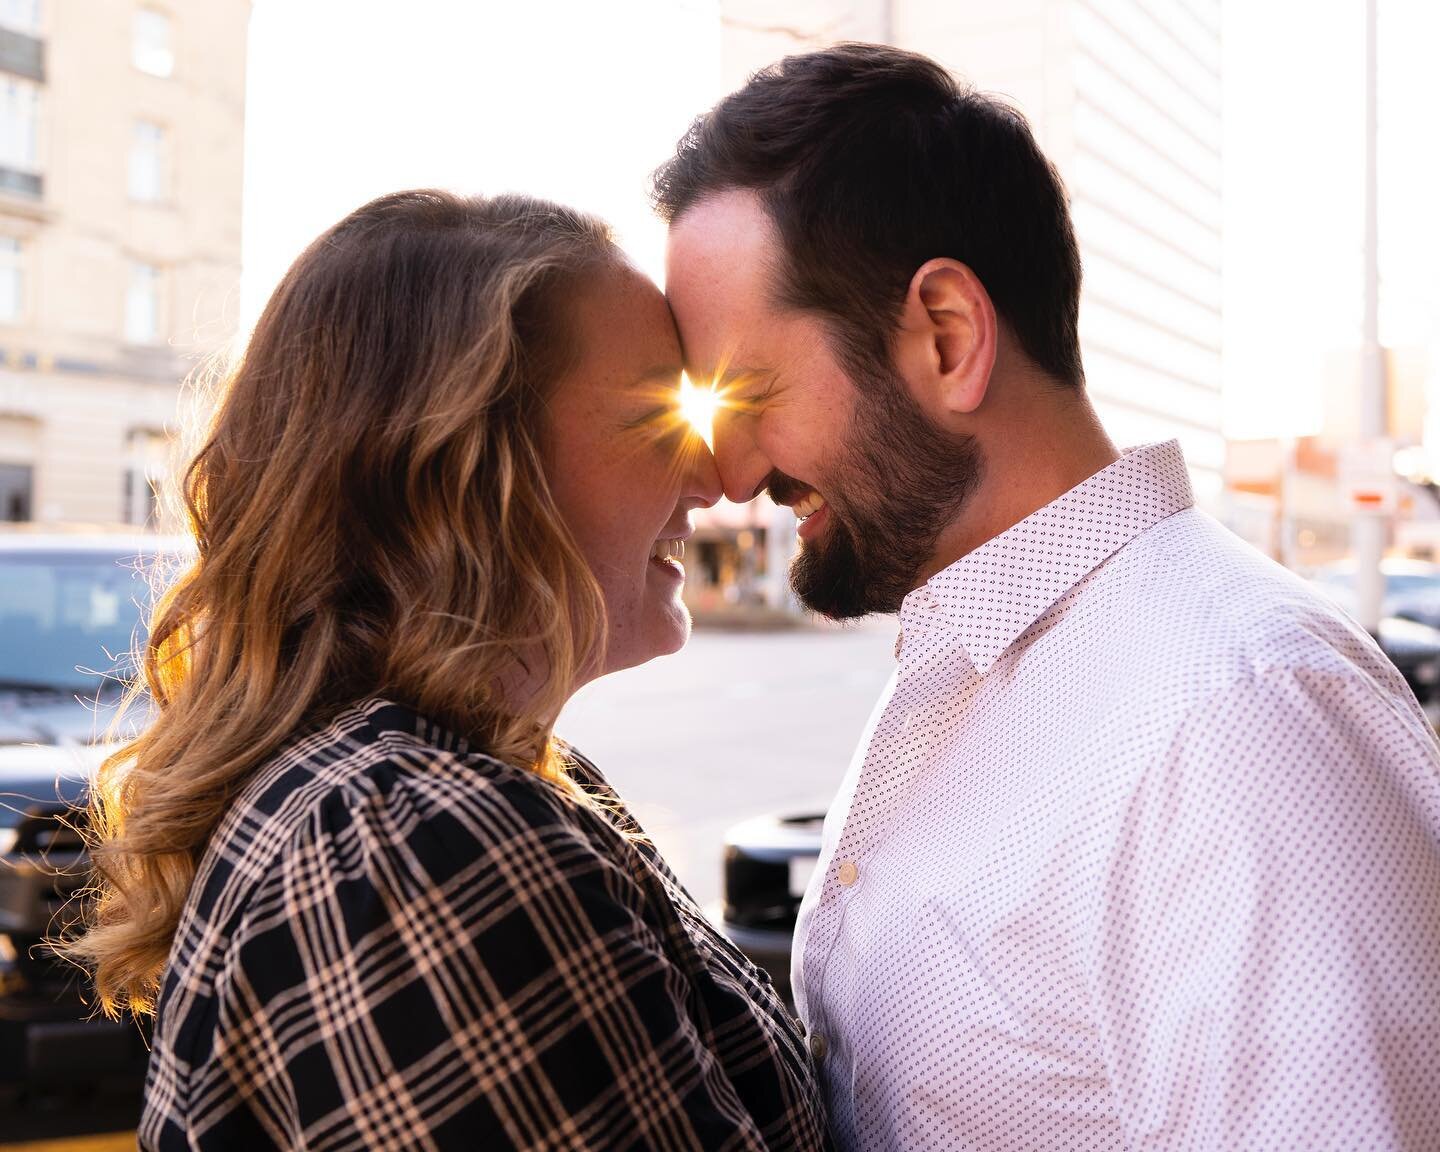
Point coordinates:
[(902, 483)]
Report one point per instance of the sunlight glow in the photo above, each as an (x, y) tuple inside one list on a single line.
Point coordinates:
[(698, 406)]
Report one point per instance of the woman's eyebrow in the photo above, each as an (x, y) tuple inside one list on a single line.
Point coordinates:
[(667, 373), (664, 394), (664, 412)]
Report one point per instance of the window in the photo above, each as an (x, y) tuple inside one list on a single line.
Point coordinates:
[(15, 492), (71, 615), (149, 148), (12, 280), (143, 304), (151, 48), (19, 123), (147, 467), (21, 16)]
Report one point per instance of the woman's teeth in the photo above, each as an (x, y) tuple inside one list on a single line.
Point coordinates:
[(668, 550), (809, 506)]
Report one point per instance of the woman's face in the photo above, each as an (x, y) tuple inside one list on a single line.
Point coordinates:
[(625, 468)]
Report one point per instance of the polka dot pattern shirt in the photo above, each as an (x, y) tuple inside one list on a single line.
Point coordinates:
[(1141, 850)]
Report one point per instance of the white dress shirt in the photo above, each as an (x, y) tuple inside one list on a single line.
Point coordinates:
[(1141, 850)]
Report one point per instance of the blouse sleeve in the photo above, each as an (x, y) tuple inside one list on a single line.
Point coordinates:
[(459, 967)]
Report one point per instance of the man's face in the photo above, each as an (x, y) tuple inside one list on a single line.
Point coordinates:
[(873, 481)]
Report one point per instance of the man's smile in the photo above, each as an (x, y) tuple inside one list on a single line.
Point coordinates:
[(808, 505), (810, 508)]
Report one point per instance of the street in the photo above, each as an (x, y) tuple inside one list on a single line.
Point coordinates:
[(738, 724)]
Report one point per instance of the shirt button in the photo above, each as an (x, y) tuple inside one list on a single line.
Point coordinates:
[(847, 873), (818, 1047)]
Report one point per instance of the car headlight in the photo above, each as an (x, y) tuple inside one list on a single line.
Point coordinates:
[(8, 836), (1428, 672)]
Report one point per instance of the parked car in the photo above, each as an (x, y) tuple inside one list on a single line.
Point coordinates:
[(1415, 650), (1408, 631), (767, 864), (71, 604), (1412, 587)]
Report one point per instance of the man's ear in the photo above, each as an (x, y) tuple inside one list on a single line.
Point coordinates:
[(947, 340)]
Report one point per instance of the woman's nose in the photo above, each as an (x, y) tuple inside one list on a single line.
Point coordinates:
[(702, 484)]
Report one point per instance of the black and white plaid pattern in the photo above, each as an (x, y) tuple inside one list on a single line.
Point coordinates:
[(397, 942)]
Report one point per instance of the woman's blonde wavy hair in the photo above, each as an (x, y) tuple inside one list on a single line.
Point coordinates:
[(371, 518)]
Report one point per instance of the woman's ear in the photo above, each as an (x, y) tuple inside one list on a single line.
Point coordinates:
[(947, 339)]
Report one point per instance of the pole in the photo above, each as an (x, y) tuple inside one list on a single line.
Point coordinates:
[(1368, 530)]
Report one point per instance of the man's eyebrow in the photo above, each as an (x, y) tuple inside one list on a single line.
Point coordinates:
[(734, 372)]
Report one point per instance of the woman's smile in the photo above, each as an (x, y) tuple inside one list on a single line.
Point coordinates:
[(666, 556)]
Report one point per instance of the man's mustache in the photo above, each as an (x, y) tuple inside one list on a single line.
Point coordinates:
[(784, 489)]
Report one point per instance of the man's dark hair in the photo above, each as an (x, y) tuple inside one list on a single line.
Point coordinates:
[(870, 161)]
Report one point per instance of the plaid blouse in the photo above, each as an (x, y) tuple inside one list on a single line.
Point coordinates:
[(395, 941)]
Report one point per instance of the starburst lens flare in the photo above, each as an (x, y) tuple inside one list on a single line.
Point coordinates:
[(697, 406)]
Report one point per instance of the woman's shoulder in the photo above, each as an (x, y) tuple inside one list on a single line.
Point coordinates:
[(370, 854), (377, 808), (375, 784)]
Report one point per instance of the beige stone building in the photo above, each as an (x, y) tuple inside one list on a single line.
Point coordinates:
[(121, 147), (1125, 99)]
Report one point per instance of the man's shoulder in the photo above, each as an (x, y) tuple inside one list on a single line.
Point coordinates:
[(1190, 572), (1188, 610)]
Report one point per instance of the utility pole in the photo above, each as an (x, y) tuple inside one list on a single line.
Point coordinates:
[(1368, 528)]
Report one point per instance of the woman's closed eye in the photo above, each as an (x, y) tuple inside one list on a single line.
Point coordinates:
[(664, 425)]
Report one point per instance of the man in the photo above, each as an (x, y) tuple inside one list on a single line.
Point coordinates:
[(1142, 846)]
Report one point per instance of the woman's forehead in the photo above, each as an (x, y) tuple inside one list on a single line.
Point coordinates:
[(625, 331)]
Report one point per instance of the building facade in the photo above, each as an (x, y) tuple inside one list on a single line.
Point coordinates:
[(1124, 96), (121, 150)]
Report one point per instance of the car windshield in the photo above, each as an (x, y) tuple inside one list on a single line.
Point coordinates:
[(1396, 583), (68, 619), (1410, 584)]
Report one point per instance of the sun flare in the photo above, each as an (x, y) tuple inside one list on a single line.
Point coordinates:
[(697, 406)]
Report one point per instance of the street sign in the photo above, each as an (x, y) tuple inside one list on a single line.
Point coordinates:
[(1367, 477)]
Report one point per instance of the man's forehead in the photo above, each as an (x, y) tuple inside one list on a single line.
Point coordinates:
[(733, 217), (719, 270)]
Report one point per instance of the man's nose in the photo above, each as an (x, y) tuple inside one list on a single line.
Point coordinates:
[(742, 465)]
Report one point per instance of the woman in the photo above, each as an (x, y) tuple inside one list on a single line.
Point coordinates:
[(371, 900)]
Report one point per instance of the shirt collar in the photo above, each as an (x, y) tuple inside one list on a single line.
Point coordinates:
[(993, 594)]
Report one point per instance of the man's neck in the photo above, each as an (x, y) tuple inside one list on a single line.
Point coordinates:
[(1025, 471)]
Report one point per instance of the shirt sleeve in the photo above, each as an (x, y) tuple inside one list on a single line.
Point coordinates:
[(1268, 960), (460, 972)]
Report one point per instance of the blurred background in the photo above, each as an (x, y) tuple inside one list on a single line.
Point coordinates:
[(1252, 183)]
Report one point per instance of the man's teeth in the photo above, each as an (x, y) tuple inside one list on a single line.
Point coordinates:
[(668, 550), (810, 505)]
